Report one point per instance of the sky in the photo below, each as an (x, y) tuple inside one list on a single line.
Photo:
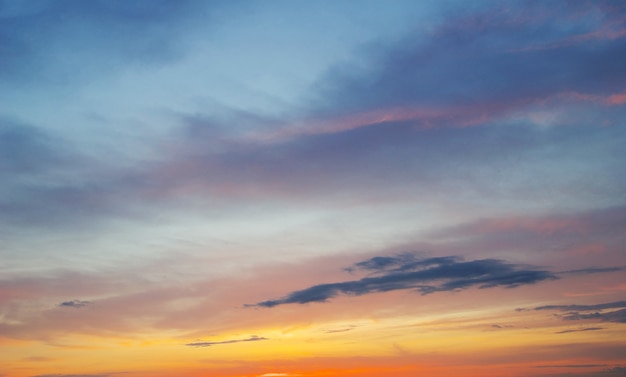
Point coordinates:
[(278, 188)]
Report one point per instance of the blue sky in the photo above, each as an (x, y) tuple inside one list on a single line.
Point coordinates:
[(184, 152)]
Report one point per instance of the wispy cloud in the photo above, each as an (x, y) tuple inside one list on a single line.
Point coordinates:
[(74, 304), (491, 44), (576, 307), (571, 366), (618, 316), (580, 330), (591, 312), (499, 326), (253, 338), (601, 370), (594, 270), (423, 275)]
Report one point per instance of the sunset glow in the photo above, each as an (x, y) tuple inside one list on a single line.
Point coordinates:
[(360, 188)]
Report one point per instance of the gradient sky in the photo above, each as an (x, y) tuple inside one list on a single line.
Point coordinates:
[(325, 188)]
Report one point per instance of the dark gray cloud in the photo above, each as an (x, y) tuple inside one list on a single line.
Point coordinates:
[(253, 338), (579, 330), (423, 275), (609, 305), (74, 304), (618, 316), (399, 263), (594, 270), (597, 312)]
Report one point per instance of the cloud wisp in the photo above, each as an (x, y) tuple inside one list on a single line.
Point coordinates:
[(580, 330), (426, 276), (594, 270), (591, 312), (74, 304), (575, 307), (253, 338)]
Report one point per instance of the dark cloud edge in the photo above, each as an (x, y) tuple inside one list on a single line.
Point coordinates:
[(408, 272)]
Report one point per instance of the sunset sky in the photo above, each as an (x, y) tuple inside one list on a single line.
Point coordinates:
[(361, 188)]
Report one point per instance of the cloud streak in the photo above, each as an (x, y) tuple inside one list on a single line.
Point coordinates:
[(609, 305), (580, 330), (423, 275), (74, 304), (595, 312), (253, 338)]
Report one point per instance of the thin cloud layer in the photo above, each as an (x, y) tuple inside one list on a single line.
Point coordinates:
[(110, 34), (425, 276), (373, 128), (487, 60)]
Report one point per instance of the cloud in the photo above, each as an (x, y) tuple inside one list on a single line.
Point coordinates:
[(609, 305), (371, 115), (74, 304), (45, 180), (599, 222), (584, 242), (253, 338), (594, 270), (26, 150), (498, 326), (579, 330), (618, 316), (591, 312), (423, 275), (338, 330), (571, 366), (38, 38), (479, 65), (607, 372)]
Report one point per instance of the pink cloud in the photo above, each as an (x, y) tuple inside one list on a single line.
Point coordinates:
[(616, 99)]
